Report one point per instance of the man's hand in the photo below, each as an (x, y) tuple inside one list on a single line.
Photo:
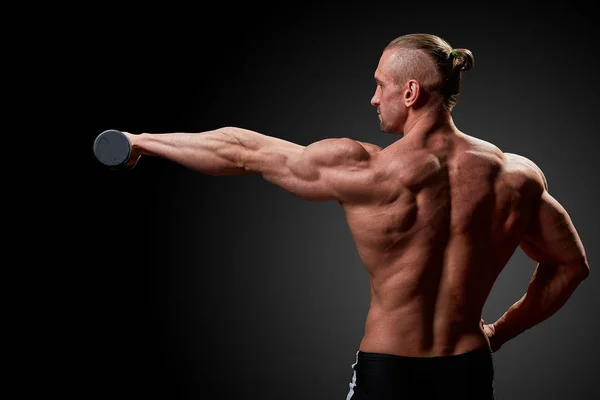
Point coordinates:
[(490, 332), (135, 155)]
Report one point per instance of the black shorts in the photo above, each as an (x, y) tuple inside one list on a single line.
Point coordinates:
[(465, 376)]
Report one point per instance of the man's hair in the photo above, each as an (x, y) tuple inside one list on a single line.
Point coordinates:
[(450, 63)]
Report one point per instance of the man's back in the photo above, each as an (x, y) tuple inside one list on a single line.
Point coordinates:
[(453, 210)]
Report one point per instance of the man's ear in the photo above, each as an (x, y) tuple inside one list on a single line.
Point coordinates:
[(412, 93)]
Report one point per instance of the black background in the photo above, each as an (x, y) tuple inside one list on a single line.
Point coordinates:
[(193, 284)]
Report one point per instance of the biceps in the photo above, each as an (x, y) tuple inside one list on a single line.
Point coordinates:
[(552, 237), (305, 188), (278, 163), (314, 183), (331, 169), (310, 180)]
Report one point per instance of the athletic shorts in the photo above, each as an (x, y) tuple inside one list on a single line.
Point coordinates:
[(464, 376)]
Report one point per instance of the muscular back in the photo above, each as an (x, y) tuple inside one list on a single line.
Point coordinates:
[(451, 211), (435, 218)]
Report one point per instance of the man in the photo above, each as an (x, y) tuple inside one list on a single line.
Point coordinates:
[(435, 216)]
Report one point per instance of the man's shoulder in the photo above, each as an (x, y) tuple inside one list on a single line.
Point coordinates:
[(333, 151), (370, 147), (517, 163)]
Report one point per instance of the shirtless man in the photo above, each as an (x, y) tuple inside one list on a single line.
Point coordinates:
[(435, 216)]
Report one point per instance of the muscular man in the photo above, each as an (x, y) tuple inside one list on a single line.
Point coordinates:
[(435, 216)]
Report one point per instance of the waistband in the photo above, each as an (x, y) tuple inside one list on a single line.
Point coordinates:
[(478, 354)]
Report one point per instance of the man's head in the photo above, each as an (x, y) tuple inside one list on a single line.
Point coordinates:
[(417, 72)]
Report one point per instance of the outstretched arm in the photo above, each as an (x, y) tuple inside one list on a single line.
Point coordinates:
[(330, 169), (553, 242), (217, 152)]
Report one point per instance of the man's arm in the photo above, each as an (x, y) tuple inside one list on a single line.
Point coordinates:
[(553, 242), (330, 169)]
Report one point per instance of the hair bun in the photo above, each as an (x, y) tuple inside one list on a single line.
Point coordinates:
[(463, 60)]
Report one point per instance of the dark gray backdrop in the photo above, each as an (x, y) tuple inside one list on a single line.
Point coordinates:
[(196, 284)]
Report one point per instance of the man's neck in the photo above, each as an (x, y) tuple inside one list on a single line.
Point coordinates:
[(429, 121)]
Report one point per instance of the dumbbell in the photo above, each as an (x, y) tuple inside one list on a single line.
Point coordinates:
[(112, 148)]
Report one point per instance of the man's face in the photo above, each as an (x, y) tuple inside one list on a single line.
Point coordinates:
[(388, 97)]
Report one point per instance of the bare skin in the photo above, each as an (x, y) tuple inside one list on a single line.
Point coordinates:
[(435, 217)]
